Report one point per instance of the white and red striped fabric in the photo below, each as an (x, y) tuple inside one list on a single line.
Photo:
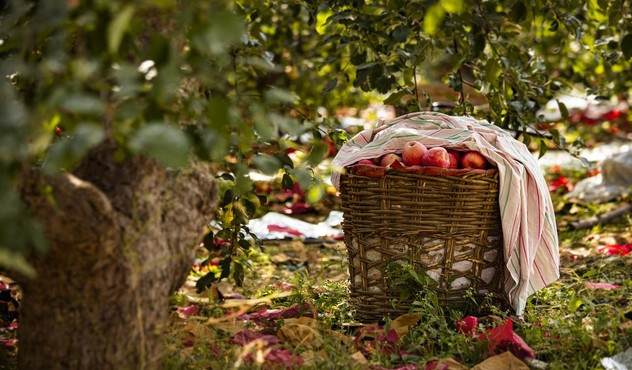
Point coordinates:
[(531, 246)]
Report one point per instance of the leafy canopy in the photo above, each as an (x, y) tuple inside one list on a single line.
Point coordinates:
[(233, 82)]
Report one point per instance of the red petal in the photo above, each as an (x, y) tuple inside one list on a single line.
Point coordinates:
[(188, 310), (467, 325), (605, 286), (246, 336)]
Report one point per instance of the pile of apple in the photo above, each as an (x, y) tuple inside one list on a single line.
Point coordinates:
[(415, 153)]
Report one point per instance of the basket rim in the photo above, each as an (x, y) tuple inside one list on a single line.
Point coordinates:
[(377, 171)]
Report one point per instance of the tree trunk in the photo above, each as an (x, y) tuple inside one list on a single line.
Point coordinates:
[(121, 237)]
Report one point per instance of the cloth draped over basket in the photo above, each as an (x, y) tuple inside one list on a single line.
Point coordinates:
[(531, 248)]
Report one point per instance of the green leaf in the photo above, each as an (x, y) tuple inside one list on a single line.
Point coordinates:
[(208, 241), (400, 33), (433, 19), (244, 244), (238, 274), (267, 164), (66, 153), (83, 104), (276, 95), (12, 261), (574, 304), (227, 197), (563, 110), (287, 182), (314, 194), (117, 28), (225, 29), (518, 12), (162, 142), (205, 282), (626, 46), (358, 59), (330, 85), (543, 148), (395, 98), (317, 153), (265, 129), (452, 6), (225, 266), (284, 159)]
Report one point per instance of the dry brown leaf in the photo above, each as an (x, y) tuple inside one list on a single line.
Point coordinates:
[(310, 358), (300, 335), (230, 327), (403, 323), (598, 342), (505, 361), (303, 320), (359, 358), (341, 337), (450, 364)]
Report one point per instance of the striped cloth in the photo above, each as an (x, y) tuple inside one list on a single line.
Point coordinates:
[(529, 231)]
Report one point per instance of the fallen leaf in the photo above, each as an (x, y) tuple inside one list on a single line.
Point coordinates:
[(8, 343), (605, 286), (310, 358), (300, 335), (307, 321), (246, 336), (467, 325), (359, 358), (341, 337), (188, 310), (405, 367), (505, 361), (230, 327), (285, 357), (445, 364), (403, 323), (502, 338), (615, 249)]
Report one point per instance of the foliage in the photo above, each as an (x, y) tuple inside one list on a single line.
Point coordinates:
[(520, 53), (219, 81), (237, 83)]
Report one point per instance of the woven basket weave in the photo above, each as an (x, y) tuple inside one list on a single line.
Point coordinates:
[(446, 223)]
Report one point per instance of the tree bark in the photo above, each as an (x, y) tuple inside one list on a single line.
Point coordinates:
[(121, 237)]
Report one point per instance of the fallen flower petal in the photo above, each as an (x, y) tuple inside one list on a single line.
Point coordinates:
[(246, 336), (560, 182), (467, 325), (605, 286), (445, 364), (286, 286), (8, 343), (285, 357), (502, 338), (188, 310), (615, 249)]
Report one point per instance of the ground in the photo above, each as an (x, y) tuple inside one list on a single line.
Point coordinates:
[(295, 313)]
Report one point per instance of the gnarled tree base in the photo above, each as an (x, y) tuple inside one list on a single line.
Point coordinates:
[(122, 237)]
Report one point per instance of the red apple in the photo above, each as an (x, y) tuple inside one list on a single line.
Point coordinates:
[(412, 152), (437, 157), (366, 161), (389, 159), (474, 160), (455, 158)]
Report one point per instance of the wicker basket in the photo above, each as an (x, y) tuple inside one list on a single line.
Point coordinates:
[(444, 222)]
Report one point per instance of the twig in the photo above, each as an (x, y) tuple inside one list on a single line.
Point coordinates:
[(606, 217)]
